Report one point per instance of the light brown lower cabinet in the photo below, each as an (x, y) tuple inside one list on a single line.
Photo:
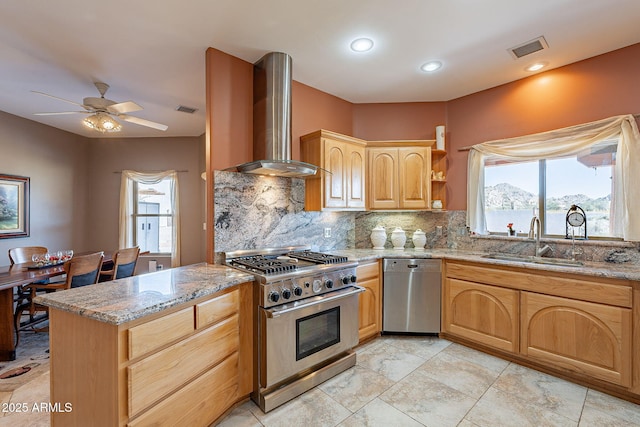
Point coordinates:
[(483, 313), (199, 402), (370, 302), (593, 339), (581, 327), (184, 366)]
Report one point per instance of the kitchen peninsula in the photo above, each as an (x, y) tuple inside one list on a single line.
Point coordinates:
[(174, 346)]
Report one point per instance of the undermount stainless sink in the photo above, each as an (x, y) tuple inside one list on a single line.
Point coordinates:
[(535, 259)]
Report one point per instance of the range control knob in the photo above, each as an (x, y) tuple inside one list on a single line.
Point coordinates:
[(346, 280), (286, 293), (274, 296), (297, 291), (353, 278), (328, 283)]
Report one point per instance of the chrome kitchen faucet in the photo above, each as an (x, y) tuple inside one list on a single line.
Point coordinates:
[(534, 228)]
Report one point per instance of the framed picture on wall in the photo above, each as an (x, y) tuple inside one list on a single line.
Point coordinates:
[(14, 206)]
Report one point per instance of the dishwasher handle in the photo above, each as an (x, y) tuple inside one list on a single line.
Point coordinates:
[(412, 265)]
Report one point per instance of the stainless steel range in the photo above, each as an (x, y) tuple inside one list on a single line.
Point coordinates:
[(307, 319)]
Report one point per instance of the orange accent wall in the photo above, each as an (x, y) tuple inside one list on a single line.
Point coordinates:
[(596, 88), (409, 120), (312, 110), (229, 109)]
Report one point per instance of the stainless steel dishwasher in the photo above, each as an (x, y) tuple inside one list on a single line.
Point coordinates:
[(411, 295)]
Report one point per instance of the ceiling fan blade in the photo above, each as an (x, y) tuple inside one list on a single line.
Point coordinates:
[(56, 97), (123, 107), (143, 122), (61, 112)]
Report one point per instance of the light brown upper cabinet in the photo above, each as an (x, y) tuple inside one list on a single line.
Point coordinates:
[(344, 157), (399, 174)]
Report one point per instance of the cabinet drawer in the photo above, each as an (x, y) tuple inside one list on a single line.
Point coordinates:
[(160, 374), (200, 402), (368, 271), (151, 335), (212, 311)]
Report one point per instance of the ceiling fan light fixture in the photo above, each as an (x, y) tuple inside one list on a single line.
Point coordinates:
[(102, 123)]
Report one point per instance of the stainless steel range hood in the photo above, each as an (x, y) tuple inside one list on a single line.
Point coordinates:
[(272, 120)]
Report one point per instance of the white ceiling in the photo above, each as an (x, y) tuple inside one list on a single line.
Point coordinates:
[(153, 52)]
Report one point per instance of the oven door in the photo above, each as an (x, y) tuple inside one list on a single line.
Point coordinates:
[(297, 336)]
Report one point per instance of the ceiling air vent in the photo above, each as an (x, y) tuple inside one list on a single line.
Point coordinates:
[(528, 48), (185, 109)]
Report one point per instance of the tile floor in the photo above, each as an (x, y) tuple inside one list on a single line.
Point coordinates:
[(29, 389), (397, 381), (426, 381)]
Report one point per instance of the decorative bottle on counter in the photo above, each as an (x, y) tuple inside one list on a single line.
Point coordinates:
[(378, 237), (398, 238), (419, 239)]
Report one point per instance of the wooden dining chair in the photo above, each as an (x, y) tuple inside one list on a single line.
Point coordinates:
[(81, 270), (20, 256), (24, 254), (124, 264)]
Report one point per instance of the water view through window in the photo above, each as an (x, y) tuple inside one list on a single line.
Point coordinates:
[(513, 192)]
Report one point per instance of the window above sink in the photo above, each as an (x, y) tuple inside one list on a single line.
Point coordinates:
[(516, 191)]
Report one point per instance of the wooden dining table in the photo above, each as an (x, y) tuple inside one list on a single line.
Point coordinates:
[(19, 275)]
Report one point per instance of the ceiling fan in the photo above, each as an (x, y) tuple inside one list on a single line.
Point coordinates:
[(104, 112)]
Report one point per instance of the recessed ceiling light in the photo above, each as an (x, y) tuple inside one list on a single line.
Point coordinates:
[(431, 66), (361, 45), (537, 66)]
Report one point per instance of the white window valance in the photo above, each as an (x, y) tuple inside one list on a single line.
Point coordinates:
[(566, 142), (127, 208)]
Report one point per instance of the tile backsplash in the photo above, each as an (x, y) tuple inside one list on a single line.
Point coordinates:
[(262, 212)]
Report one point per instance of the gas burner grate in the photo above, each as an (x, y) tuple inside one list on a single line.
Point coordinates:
[(318, 258), (261, 264)]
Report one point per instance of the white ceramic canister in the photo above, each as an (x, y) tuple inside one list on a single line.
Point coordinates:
[(378, 237), (419, 239), (398, 238)]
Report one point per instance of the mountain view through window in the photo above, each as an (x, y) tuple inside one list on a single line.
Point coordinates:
[(515, 192)]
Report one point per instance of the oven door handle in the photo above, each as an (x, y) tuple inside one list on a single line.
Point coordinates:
[(272, 313)]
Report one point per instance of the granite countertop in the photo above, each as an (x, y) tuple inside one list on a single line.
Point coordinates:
[(627, 271), (124, 300)]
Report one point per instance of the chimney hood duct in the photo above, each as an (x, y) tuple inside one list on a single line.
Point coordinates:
[(272, 120)]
